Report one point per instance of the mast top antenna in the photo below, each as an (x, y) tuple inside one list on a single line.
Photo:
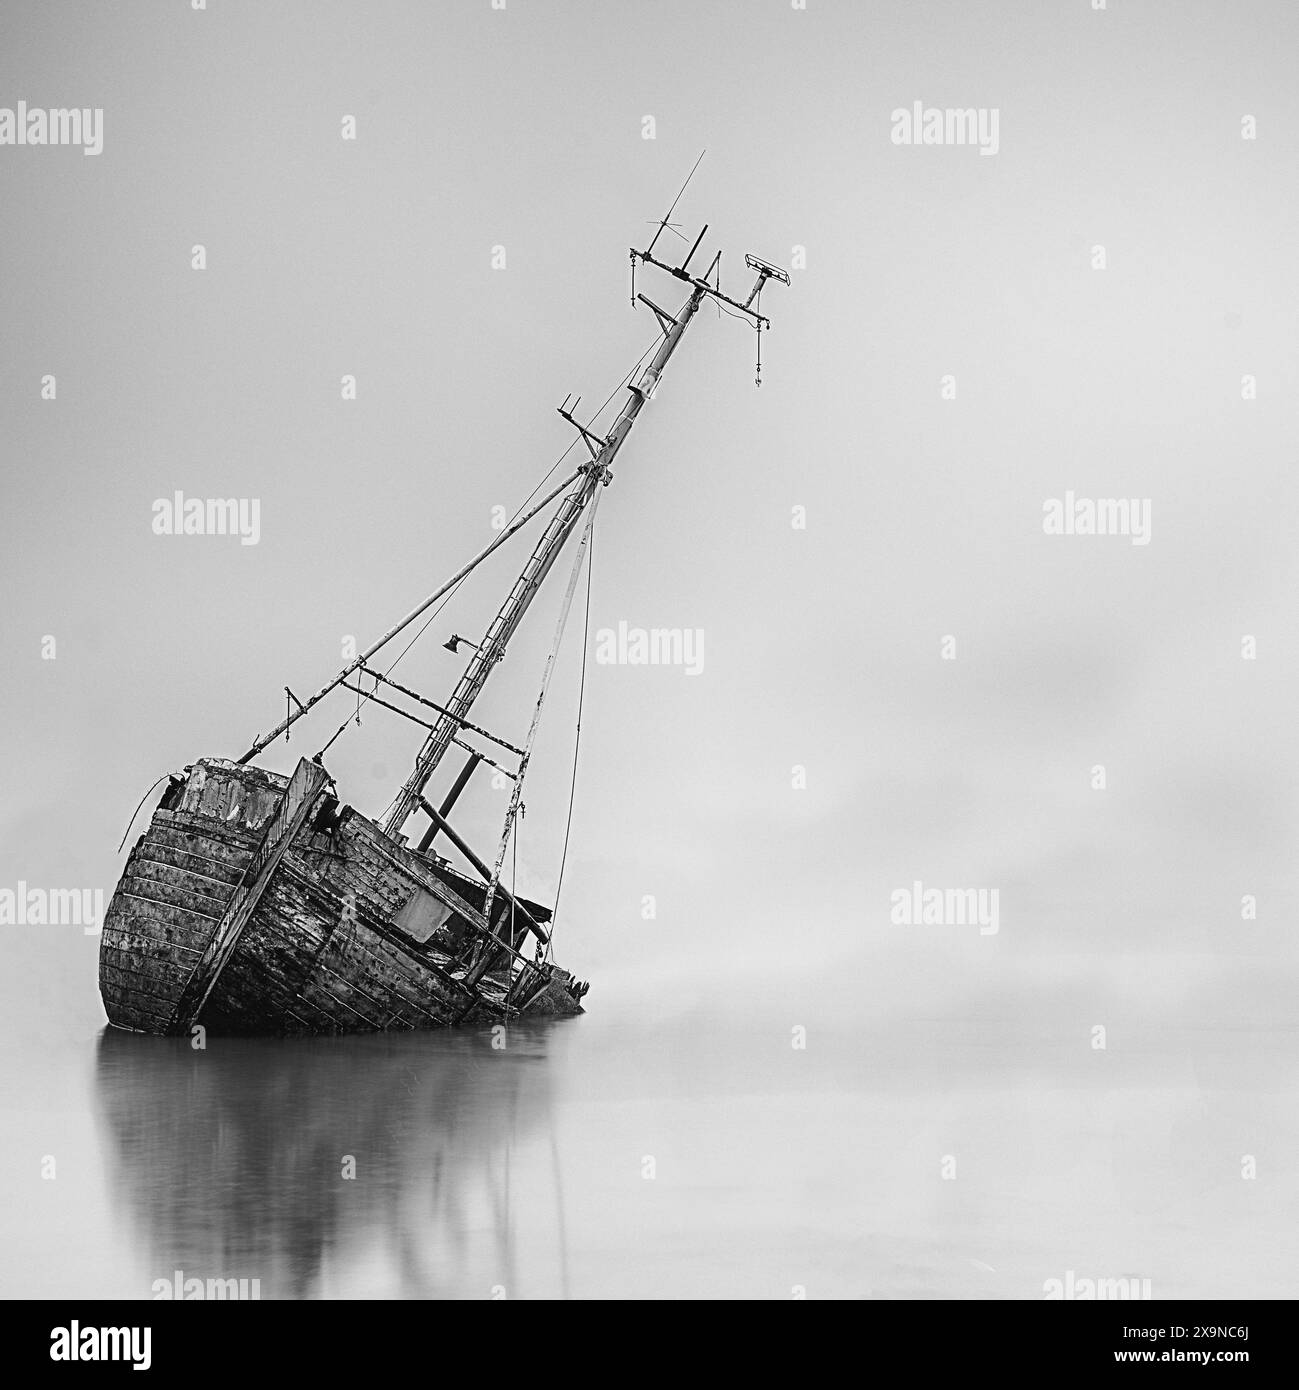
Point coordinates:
[(702, 285), (667, 216)]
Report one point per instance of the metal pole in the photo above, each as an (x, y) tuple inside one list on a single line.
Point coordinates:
[(532, 925), (466, 772), (492, 647)]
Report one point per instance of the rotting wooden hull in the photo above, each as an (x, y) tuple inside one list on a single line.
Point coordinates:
[(333, 928)]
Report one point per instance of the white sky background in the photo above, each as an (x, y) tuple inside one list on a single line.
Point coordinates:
[(523, 128)]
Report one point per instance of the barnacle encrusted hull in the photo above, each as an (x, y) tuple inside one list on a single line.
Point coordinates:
[(256, 903)]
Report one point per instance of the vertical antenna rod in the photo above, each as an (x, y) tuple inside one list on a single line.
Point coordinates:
[(668, 215)]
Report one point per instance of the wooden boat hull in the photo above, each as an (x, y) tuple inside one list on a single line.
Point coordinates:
[(258, 904)]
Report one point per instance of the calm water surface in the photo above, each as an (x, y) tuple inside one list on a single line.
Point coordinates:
[(616, 1155)]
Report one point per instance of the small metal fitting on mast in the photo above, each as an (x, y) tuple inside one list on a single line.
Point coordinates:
[(766, 271), (712, 289), (593, 441)]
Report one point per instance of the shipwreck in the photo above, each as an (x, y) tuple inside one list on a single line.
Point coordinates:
[(260, 903)]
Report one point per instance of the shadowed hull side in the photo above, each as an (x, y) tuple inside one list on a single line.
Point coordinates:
[(350, 931)]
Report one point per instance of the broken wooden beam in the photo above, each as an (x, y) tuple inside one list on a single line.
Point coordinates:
[(441, 823), (308, 780)]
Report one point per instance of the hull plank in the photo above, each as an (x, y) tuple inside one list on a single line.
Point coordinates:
[(128, 977), (140, 917), (167, 895), (143, 1006), (164, 850), (218, 844), (273, 961), (208, 894), (156, 957)]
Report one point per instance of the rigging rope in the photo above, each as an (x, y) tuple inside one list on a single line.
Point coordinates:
[(136, 812), (519, 510), (577, 746), (549, 671), (514, 894)]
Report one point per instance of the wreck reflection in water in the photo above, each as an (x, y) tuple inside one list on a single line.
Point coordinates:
[(230, 1162)]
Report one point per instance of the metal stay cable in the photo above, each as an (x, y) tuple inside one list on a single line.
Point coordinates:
[(565, 608), (355, 716), (577, 744)]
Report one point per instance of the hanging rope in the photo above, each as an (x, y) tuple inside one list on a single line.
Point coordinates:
[(514, 893), (136, 812), (577, 748), (549, 671)]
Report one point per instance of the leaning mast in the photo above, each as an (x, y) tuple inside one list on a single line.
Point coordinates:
[(598, 471), (581, 488), (502, 627)]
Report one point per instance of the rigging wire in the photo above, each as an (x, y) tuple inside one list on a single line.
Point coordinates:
[(518, 512), (744, 319), (514, 892), (136, 812), (577, 745), (667, 217), (516, 806)]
